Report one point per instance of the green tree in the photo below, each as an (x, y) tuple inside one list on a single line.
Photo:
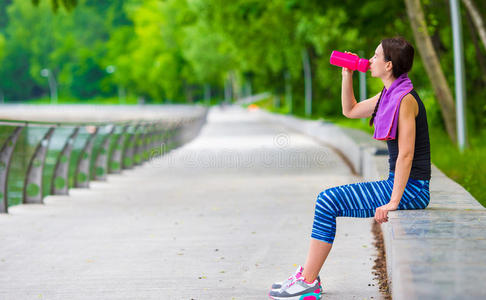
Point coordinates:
[(67, 4)]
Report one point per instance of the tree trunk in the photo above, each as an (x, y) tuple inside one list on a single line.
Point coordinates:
[(477, 20), (432, 66), (479, 55)]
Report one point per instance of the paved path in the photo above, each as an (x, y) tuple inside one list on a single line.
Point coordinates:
[(220, 218)]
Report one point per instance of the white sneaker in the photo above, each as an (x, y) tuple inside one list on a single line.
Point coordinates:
[(298, 289), (278, 285)]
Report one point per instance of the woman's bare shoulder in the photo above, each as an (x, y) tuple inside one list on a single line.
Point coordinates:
[(409, 104)]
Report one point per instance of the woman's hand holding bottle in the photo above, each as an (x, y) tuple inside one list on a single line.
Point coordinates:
[(346, 71)]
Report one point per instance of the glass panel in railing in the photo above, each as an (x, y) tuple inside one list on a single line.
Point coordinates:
[(104, 132), (24, 150), (58, 141), (83, 135)]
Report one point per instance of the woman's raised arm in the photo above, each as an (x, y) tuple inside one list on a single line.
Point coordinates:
[(352, 109), (363, 109)]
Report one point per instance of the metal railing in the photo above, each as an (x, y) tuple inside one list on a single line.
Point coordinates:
[(43, 158)]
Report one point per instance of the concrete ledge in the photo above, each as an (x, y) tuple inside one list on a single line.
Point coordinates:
[(439, 252), (436, 253), (85, 113)]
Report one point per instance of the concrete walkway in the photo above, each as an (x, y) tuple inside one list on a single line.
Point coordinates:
[(220, 218)]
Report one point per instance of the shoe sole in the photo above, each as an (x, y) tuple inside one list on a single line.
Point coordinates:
[(300, 297)]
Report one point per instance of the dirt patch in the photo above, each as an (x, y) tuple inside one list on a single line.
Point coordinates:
[(379, 269)]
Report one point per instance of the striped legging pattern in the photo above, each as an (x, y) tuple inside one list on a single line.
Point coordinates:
[(360, 200)]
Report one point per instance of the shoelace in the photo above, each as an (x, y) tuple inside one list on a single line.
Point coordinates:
[(292, 279)]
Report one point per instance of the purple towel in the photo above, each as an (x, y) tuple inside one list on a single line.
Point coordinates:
[(386, 119)]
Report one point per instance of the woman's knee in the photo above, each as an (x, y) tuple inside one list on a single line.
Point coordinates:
[(325, 200), (325, 193), (322, 195)]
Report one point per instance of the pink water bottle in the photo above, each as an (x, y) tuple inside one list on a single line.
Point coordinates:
[(349, 61)]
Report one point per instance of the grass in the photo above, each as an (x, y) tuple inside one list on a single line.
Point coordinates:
[(466, 168)]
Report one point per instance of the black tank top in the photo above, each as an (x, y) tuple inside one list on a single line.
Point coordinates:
[(421, 158)]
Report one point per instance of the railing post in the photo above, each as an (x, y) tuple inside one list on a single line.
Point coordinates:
[(5, 156), (129, 151), (151, 142), (147, 146), (33, 179), (101, 164), (139, 141), (82, 176), (163, 139), (60, 178), (117, 156), (156, 146)]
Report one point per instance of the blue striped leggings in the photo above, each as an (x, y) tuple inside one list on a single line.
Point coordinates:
[(361, 200)]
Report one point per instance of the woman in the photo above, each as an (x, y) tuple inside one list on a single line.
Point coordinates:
[(399, 117)]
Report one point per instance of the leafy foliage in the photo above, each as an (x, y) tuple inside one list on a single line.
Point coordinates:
[(68, 4), (170, 50)]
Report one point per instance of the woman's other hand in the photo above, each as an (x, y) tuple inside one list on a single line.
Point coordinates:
[(381, 213)]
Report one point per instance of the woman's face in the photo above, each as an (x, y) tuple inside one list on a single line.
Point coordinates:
[(378, 66)]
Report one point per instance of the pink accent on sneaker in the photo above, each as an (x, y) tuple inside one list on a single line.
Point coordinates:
[(310, 298), (300, 276), (318, 291)]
